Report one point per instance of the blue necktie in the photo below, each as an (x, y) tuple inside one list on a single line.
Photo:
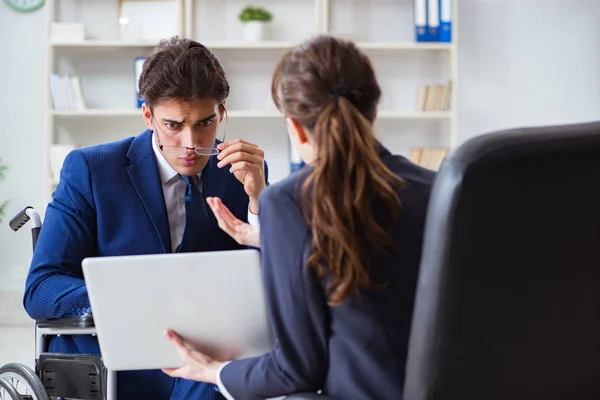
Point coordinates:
[(195, 214)]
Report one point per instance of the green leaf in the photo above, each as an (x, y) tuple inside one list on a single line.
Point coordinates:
[(255, 14)]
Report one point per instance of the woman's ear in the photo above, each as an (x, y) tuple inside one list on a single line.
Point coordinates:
[(297, 130), (301, 140)]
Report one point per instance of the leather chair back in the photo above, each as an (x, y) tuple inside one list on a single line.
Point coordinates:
[(508, 299)]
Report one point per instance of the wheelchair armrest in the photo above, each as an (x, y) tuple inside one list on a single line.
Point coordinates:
[(79, 325), (81, 321), (308, 396)]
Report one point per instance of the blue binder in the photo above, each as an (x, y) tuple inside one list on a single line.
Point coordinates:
[(433, 20), (445, 31), (420, 20)]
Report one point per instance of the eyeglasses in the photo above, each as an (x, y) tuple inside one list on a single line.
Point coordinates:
[(182, 150)]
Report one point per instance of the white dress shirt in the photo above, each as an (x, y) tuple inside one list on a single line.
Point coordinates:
[(174, 192)]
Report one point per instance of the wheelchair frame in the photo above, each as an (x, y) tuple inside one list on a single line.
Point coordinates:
[(54, 371), (101, 381)]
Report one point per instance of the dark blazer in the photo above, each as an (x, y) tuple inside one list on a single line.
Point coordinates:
[(109, 202), (353, 351)]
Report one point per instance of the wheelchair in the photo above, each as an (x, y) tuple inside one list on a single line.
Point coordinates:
[(60, 376), (56, 376)]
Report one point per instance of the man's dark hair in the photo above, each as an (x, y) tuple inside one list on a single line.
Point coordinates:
[(182, 69)]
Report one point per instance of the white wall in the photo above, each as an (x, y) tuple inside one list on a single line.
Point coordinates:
[(21, 133), (517, 71), (513, 71)]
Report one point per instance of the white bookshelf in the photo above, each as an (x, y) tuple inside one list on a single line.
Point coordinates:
[(382, 28)]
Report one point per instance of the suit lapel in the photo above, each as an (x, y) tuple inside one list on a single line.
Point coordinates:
[(145, 178)]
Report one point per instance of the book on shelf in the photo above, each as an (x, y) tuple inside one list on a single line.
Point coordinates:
[(429, 157), (445, 30), (138, 66), (67, 94), (433, 20), (434, 97)]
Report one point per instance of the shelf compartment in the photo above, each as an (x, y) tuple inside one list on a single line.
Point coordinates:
[(205, 27), (136, 112)]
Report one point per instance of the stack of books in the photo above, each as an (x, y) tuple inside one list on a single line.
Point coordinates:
[(429, 157), (67, 94), (434, 97)]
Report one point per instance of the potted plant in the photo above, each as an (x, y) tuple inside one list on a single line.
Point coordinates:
[(3, 169), (254, 20)]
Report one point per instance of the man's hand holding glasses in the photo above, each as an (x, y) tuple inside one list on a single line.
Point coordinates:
[(247, 162)]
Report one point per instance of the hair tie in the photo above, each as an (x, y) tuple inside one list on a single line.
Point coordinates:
[(340, 91)]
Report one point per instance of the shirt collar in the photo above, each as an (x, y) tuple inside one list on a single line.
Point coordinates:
[(165, 171)]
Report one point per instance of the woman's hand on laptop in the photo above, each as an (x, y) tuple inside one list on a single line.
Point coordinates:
[(243, 233), (197, 366)]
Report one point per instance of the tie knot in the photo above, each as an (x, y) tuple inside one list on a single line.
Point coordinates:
[(188, 179)]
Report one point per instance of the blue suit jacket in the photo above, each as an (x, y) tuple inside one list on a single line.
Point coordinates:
[(109, 202), (353, 351)]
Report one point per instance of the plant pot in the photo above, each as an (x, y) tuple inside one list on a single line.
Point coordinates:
[(254, 31)]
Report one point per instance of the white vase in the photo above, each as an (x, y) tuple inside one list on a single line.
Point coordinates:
[(254, 31)]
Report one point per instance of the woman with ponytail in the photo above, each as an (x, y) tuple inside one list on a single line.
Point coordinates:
[(340, 242)]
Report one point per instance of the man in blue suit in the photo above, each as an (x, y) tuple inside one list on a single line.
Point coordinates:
[(146, 195)]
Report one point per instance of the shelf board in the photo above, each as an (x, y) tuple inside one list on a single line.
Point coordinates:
[(136, 112), (266, 45), (404, 46), (254, 114), (99, 112), (116, 44), (392, 114), (104, 43), (363, 45)]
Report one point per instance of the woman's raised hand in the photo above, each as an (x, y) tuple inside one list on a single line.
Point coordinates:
[(242, 232)]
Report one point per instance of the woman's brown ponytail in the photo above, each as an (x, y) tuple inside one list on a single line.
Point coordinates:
[(329, 87)]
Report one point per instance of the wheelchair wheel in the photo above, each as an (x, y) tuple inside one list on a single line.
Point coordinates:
[(7, 391), (25, 382)]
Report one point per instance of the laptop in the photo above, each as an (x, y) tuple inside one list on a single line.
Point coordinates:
[(214, 300)]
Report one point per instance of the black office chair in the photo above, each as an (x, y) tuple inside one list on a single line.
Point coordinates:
[(508, 301)]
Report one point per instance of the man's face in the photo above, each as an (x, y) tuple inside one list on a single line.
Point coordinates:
[(185, 124)]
